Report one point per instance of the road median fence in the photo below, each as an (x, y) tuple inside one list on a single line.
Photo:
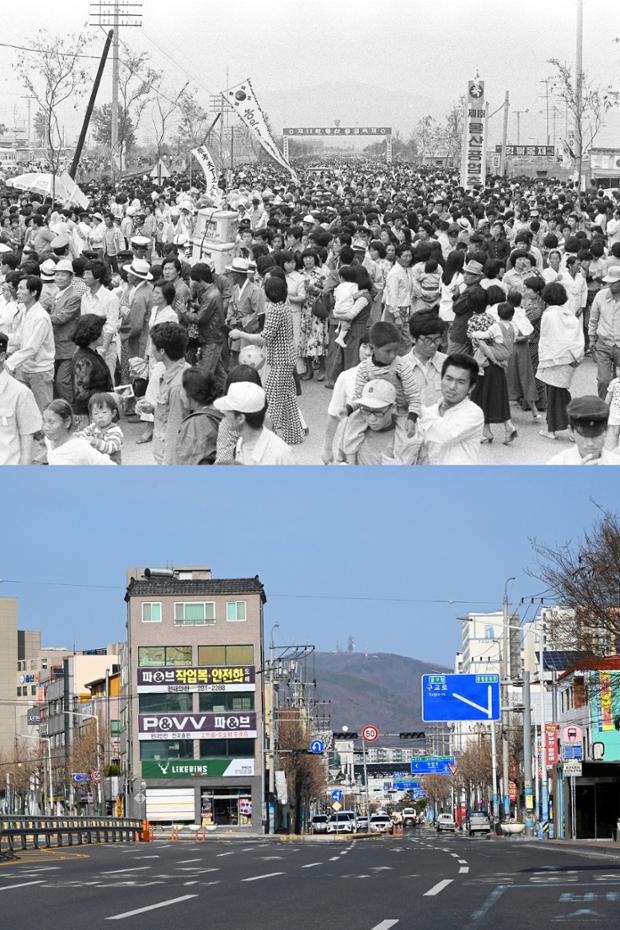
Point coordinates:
[(20, 833)]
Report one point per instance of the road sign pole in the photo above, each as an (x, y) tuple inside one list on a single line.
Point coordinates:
[(366, 783), (494, 769), (527, 751)]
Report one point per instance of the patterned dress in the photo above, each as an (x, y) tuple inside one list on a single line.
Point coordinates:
[(314, 332), (280, 384)]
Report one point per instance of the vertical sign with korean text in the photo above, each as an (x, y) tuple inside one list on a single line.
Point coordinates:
[(551, 743), (473, 168)]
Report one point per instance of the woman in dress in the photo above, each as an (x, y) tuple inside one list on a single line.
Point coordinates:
[(290, 263), (91, 374), (277, 337), (314, 334), (560, 350)]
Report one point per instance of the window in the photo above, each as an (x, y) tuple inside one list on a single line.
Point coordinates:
[(235, 610), (227, 748), (194, 612), (165, 703), (227, 700), (115, 727), (160, 750), (151, 612), (225, 655), (33, 690), (161, 656)]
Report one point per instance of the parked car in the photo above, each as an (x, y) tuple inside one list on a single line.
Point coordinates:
[(342, 822), (478, 822), (318, 823), (381, 823), (361, 824), (445, 822), (409, 817)]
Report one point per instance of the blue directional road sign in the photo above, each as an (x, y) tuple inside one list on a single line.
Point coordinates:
[(317, 745), (79, 777), (433, 765), (405, 784), (572, 753), (336, 795), (460, 697)]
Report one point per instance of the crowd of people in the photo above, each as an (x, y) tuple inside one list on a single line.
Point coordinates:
[(430, 313)]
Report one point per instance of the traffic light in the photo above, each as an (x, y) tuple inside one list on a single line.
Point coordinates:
[(345, 735), (415, 734)]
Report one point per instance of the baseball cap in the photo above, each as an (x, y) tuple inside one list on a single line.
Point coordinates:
[(242, 397), (588, 411), (378, 393)]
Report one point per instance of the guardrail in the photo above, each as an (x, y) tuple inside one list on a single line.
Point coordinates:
[(18, 833)]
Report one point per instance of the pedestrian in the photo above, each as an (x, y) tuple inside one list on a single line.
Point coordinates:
[(604, 328), (587, 417), (170, 408), (197, 439), (452, 428), (560, 350), (20, 417), (63, 446), (245, 406), (33, 362)]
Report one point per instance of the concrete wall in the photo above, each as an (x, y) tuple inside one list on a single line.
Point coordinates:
[(8, 667)]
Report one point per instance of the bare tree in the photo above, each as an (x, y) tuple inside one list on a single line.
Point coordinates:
[(437, 787), (165, 108), (452, 133), (474, 770), (53, 74), (584, 578), (305, 774), (138, 85), (24, 768), (587, 108)]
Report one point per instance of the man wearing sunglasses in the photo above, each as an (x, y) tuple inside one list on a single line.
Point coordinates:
[(377, 407), (427, 332), (587, 418)]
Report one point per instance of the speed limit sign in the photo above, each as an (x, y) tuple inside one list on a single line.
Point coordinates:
[(370, 734)]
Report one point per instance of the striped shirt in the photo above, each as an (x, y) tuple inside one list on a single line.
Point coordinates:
[(399, 373)]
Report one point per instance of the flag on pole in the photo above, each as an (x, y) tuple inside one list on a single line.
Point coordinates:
[(207, 164), (244, 103)]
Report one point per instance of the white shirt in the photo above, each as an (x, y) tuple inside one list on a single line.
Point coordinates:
[(104, 303), (36, 340), (76, 451), (343, 393), (454, 438), (268, 450), (571, 457), (613, 232)]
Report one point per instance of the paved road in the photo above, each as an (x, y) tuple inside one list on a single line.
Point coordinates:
[(419, 881), (528, 449)]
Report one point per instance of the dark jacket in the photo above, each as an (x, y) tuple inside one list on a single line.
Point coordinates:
[(91, 375), (207, 314)]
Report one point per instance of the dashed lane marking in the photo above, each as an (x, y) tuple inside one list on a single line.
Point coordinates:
[(385, 925), (464, 870), (21, 885), (152, 907), (438, 888), (311, 865), (256, 878)]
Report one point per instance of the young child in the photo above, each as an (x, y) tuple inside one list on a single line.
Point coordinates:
[(386, 363), (613, 424), (344, 303), (429, 284), (103, 432), (483, 327)]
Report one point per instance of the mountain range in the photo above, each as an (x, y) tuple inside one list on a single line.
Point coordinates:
[(381, 689)]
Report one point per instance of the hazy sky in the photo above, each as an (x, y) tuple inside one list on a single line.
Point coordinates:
[(425, 48), (331, 545)]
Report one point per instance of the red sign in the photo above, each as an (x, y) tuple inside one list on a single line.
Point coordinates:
[(551, 743), (370, 734), (512, 787)]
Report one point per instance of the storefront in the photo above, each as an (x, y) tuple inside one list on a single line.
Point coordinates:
[(226, 807)]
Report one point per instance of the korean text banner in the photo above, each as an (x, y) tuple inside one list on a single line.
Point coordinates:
[(605, 711), (203, 156), (473, 168), (196, 679), (196, 726), (243, 101)]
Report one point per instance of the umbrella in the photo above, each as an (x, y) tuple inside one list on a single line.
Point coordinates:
[(66, 189)]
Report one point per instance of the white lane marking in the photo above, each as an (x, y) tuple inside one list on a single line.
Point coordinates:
[(152, 907), (333, 858), (478, 915), (256, 878), (438, 888), (146, 857), (135, 868), (462, 861), (455, 856), (381, 868), (385, 925), (21, 885), (191, 883), (219, 855), (195, 870), (269, 858), (464, 870), (183, 861), (311, 865)]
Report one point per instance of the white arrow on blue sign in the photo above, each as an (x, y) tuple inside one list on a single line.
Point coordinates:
[(460, 697), (336, 795), (317, 745), (78, 777)]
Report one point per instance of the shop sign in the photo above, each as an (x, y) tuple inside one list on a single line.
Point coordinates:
[(196, 726), (196, 679), (551, 743), (205, 768), (605, 715), (473, 169)]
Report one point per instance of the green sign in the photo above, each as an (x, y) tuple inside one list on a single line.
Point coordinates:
[(192, 768)]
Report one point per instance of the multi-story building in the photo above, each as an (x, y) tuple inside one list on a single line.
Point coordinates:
[(192, 712), (8, 667)]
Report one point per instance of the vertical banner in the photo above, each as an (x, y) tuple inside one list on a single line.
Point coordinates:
[(473, 168), (207, 164), (551, 743), (244, 103)]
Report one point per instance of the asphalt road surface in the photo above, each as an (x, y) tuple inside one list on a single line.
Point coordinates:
[(528, 449), (421, 880)]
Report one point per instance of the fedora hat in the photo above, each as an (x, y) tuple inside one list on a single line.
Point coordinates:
[(473, 267), (139, 268), (241, 266)]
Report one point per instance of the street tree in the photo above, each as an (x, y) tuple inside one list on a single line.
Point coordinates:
[(102, 127), (451, 132), (587, 107), (22, 771), (164, 109), (39, 127), (437, 787), (305, 774), (474, 770), (138, 86), (583, 577), (54, 74)]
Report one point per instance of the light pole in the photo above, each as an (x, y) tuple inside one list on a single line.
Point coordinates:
[(75, 713), (504, 684), (518, 114)]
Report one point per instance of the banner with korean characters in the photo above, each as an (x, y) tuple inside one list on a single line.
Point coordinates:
[(196, 679), (551, 743), (206, 768), (196, 726), (473, 167), (605, 715)]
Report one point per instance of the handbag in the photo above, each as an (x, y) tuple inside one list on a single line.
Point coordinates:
[(320, 308)]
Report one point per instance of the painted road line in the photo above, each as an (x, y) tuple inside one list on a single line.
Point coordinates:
[(482, 911), (464, 870), (152, 907), (191, 883), (462, 861), (21, 885), (219, 855), (438, 888), (183, 861), (334, 858), (311, 865), (135, 868), (256, 878), (385, 925), (455, 856)]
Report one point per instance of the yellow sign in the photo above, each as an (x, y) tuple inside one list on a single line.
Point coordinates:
[(119, 807), (529, 802), (336, 806)]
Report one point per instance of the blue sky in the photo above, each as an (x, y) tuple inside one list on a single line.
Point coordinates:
[(328, 544)]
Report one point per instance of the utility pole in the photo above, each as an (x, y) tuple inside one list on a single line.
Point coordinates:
[(527, 752), (114, 14), (505, 134), (505, 697), (579, 90), (29, 99), (546, 82), (518, 114)]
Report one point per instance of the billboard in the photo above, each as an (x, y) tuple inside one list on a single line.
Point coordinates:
[(605, 715), (205, 768), (527, 151), (338, 131), (473, 168), (196, 679), (196, 726)]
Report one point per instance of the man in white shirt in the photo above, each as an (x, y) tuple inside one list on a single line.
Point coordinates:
[(102, 302), (20, 418), (245, 407), (341, 399), (587, 418), (452, 428), (613, 229), (33, 362), (427, 332)]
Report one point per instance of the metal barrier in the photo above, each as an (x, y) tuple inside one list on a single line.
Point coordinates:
[(27, 832)]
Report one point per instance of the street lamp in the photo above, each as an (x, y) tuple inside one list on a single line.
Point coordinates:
[(75, 713), (518, 114)]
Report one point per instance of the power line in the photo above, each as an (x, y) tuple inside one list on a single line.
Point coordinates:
[(43, 51)]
